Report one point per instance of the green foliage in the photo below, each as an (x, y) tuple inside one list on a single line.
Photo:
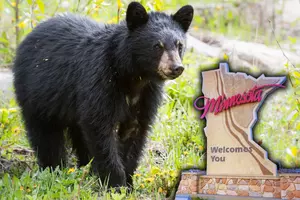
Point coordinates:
[(223, 21), (60, 184), (11, 126), (279, 126)]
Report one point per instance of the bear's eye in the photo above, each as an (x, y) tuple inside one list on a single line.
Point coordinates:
[(180, 48), (159, 45)]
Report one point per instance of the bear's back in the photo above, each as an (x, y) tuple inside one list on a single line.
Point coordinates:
[(52, 58), (64, 35)]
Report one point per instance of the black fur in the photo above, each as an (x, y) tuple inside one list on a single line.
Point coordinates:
[(136, 16), (99, 81), (184, 16)]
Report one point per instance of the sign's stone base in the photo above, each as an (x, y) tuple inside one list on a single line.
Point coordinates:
[(283, 186)]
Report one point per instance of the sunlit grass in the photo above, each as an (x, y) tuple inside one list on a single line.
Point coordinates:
[(176, 142)]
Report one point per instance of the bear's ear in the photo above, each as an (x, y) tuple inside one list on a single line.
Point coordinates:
[(184, 17), (136, 15)]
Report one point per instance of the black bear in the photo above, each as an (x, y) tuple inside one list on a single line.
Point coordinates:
[(102, 83)]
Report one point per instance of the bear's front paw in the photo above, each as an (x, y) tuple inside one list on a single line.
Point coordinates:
[(117, 179), (129, 182)]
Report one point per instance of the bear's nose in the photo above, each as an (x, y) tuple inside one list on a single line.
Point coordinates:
[(178, 69)]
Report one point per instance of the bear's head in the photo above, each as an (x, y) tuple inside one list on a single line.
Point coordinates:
[(158, 40)]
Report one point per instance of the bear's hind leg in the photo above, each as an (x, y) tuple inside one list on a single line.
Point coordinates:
[(79, 145), (47, 140)]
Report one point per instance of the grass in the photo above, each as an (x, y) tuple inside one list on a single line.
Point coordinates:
[(176, 139), (176, 142)]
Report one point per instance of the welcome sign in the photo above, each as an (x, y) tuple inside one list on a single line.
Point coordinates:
[(231, 102), (236, 165)]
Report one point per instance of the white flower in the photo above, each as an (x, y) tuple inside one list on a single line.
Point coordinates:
[(288, 150), (291, 115), (271, 123), (65, 4), (292, 132), (7, 10)]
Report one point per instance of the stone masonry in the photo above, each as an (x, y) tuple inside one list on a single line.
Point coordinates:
[(285, 186)]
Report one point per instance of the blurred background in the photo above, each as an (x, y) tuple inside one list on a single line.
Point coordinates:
[(250, 20), (255, 36)]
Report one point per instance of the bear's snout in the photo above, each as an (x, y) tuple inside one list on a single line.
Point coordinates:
[(170, 66), (177, 70)]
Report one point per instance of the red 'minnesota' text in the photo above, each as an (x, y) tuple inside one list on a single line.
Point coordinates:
[(223, 103)]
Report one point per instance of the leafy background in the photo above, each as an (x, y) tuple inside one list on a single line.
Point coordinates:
[(176, 141)]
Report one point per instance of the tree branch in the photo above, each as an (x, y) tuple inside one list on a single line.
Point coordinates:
[(17, 22), (10, 4), (286, 58), (273, 31)]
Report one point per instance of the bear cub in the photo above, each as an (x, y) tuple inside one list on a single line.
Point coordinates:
[(101, 83)]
